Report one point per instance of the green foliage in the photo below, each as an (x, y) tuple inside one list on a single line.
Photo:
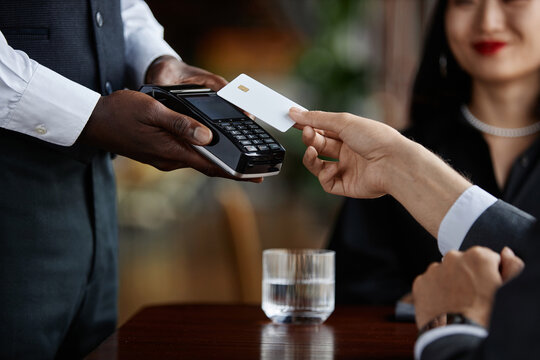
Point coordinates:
[(332, 66), (333, 70)]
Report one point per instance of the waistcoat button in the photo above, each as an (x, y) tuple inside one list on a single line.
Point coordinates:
[(99, 19), (108, 88)]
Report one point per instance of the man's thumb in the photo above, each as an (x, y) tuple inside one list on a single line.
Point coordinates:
[(188, 129), (511, 265)]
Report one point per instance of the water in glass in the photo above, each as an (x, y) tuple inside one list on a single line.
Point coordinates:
[(298, 285)]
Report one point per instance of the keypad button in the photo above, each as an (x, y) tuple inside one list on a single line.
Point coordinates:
[(263, 147), (229, 128), (235, 132), (253, 126), (241, 127), (251, 148), (238, 123), (258, 131), (240, 137), (274, 146), (245, 142), (268, 141), (252, 136), (264, 136), (246, 132), (257, 142)]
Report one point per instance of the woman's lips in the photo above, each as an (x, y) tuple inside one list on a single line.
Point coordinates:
[(488, 47)]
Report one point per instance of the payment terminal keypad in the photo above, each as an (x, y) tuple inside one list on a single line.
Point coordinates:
[(248, 135)]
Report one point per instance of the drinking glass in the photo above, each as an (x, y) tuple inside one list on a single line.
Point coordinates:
[(298, 285)]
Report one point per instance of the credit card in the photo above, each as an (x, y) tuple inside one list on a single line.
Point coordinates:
[(266, 104)]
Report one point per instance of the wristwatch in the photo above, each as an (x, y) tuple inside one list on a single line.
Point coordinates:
[(451, 319)]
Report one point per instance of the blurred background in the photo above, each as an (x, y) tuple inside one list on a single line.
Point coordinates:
[(188, 238)]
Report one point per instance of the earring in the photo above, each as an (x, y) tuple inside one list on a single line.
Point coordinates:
[(443, 65)]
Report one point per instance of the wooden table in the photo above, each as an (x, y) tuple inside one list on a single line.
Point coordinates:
[(243, 332)]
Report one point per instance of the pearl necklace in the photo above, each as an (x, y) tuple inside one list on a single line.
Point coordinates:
[(498, 131)]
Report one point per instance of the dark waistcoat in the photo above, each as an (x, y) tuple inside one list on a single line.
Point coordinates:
[(57, 204)]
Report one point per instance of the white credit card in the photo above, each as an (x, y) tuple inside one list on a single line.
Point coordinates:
[(259, 100)]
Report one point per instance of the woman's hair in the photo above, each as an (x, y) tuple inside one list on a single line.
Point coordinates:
[(435, 92)]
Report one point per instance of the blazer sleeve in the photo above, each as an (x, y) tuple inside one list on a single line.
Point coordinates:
[(500, 225), (514, 331)]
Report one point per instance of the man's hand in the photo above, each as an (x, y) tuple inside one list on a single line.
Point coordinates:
[(359, 145), (511, 265), (465, 282), (168, 70), (373, 159), (135, 125)]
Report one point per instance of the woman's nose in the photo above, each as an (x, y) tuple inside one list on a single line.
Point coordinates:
[(491, 16)]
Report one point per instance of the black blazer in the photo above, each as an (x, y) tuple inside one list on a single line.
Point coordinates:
[(514, 332), (380, 248)]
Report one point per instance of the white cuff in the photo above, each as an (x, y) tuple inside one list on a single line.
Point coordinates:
[(461, 216), (52, 108), (437, 333), (142, 49)]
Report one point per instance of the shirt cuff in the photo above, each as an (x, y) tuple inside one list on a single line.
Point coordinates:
[(143, 48), (461, 216), (52, 108), (440, 332)]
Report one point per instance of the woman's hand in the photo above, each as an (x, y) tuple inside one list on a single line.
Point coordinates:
[(359, 145)]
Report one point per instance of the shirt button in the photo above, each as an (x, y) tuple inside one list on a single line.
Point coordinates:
[(41, 129), (525, 161), (99, 19), (108, 88)]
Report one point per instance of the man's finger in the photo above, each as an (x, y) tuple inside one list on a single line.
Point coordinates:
[(184, 127), (312, 162), (451, 256), (328, 134), (477, 254), (191, 158), (324, 145), (211, 81), (320, 120), (511, 265), (328, 179)]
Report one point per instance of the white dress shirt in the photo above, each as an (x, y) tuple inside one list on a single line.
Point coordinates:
[(461, 216), (437, 333), (39, 102)]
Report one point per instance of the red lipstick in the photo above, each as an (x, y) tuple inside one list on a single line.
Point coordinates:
[(488, 47)]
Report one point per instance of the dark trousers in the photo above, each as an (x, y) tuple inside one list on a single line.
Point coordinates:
[(58, 250)]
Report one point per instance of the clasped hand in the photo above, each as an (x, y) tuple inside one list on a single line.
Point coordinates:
[(464, 282)]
